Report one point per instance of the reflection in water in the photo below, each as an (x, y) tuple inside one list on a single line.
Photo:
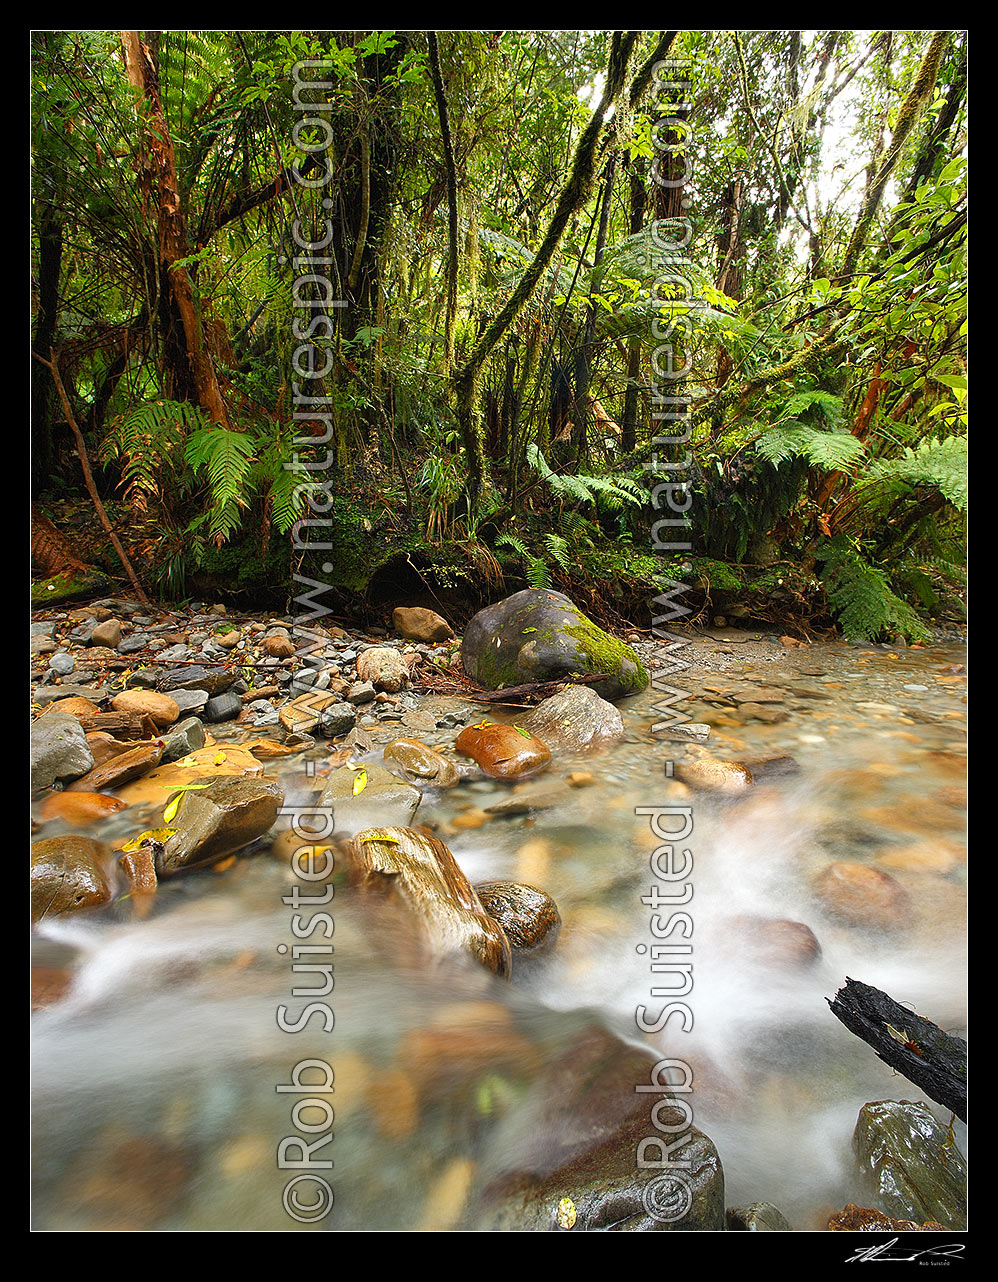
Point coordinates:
[(155, 1075)]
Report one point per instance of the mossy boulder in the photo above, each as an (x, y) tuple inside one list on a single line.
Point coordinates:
[(539, 635)]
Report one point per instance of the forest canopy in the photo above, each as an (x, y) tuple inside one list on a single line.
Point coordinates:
[(415, 289)]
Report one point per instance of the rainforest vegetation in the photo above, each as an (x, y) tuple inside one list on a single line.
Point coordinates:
[(488, 208)]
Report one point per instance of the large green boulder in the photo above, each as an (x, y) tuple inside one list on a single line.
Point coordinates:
[(539, 635)]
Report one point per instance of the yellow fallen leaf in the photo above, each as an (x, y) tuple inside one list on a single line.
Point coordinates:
[(360, 782), (151, 834), (567, 1214)]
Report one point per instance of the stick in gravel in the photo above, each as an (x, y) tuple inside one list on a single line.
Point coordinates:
[(81, 450)]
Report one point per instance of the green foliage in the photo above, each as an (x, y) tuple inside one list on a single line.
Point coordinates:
[(862, 598), (224, 457), (830, 451), (942, 464), (612, 494)]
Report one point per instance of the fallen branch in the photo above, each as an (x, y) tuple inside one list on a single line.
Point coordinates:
[(932, 1060), (81, 450)]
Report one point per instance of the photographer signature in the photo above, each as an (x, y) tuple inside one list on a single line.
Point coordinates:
[(886, 1251)]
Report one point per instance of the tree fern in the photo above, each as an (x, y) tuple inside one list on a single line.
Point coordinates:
[(585, 489), (831, 451), (942, 464), (862, 599), (148, 440), (226, 457)]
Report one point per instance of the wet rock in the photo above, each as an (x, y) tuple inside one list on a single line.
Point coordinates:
[(760, 1217), (216, 761), (539, 635), (699, 731), (863, 896), (772, 941), (418, 624), (504, 752), (58, 751), (587, 1125), (575, 719), (418, 761), (384, 668), (66, 875), (419, 869), (80, 809), (861, 1219), (762, 712), (911, 1161), (222, 707), (75, 707), (107, 633), (384, 800), (219, 820), (337, 719), (764, 768), (147, 703), (715, 775), (529, 918), (121, 768), (185, 737)]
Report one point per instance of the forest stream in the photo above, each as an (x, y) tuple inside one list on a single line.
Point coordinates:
[(158, 1058)]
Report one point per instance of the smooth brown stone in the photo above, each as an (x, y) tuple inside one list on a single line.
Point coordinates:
[(66, 875), (773, 941), (279, 647), (419, 624), (715, 775), (140, 869), (74, 706), (160, 707), (80, 809), (504, 752), (121, 769), (529, 918), (417, 760), (863, 896)]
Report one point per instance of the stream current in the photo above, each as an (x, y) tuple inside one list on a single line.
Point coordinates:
[(157, 1053)]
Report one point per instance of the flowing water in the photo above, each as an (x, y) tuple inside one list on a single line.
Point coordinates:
[(157, 1050)]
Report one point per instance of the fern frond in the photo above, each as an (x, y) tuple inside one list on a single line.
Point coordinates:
[(862, 599), (832, 451)]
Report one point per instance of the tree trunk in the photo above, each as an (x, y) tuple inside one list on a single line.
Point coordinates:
[(189, 365)]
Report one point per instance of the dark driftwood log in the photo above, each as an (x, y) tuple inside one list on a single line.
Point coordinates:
[(933, 1060)]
